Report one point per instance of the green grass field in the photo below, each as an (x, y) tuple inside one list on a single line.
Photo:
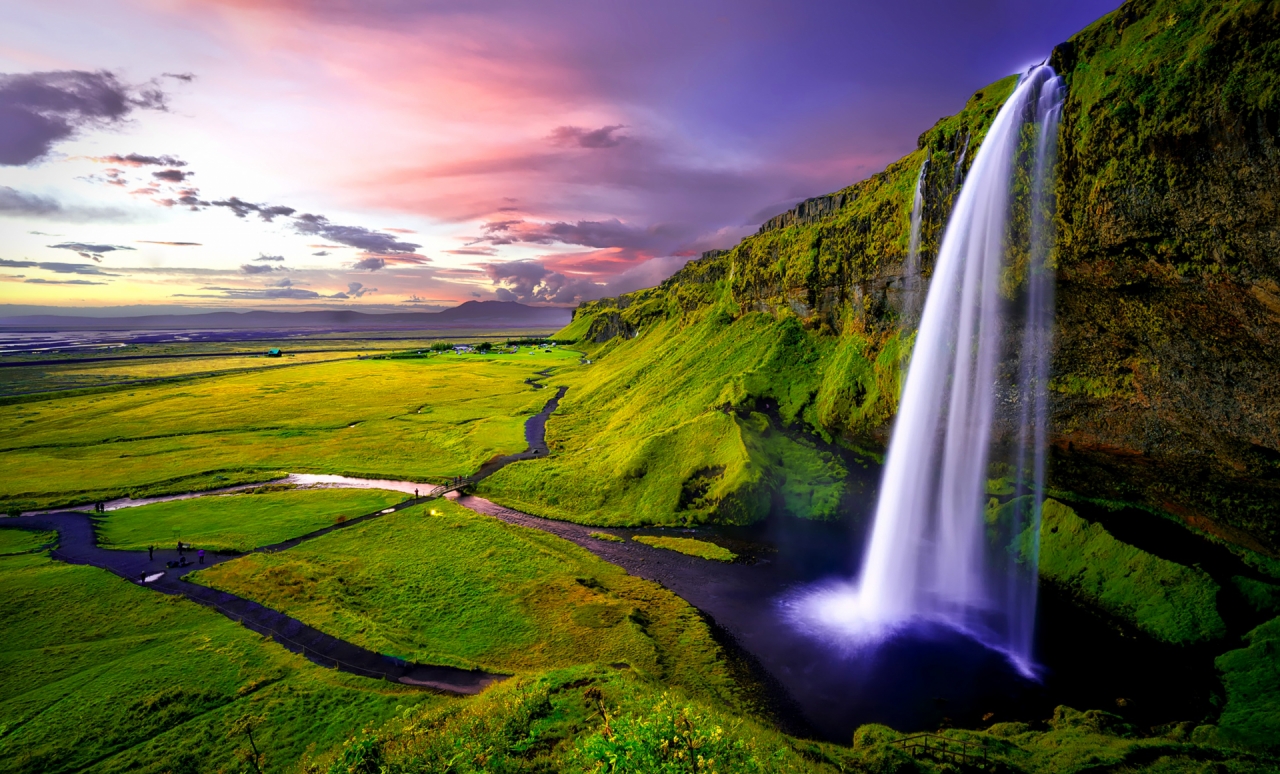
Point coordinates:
[(76, 376), (699, 548), (20, 541), (239, 521), (100, 675), (421, 419), (468, 590)]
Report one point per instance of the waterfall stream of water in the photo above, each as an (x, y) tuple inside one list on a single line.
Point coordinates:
[(911, 281), (935, 554)]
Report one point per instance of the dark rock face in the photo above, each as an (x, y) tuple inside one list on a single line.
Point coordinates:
[(610, 325), (1167, 368), (806, 211)]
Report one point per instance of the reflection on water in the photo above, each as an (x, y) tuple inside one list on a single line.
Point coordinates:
[(301, 480), (347, 482)]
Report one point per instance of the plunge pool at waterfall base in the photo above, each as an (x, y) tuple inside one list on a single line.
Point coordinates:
[(923, 676)]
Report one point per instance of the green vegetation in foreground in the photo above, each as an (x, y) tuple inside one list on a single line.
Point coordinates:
[(699, 548), (472, 591), (1251, 677), (1166, 600), (663, 429), (423, 419), (240, 521), (595, 719), (100, 675), (1262, 597), (21, 541)]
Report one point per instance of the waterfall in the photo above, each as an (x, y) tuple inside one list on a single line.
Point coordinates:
[(911, 270), (932, 555)]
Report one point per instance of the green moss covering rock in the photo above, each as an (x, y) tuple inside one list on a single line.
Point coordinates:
[(1263, 597), (1251, 678), (1166, 600), (691, 546)]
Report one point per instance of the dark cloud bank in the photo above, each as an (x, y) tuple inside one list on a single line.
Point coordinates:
[(38, 110)]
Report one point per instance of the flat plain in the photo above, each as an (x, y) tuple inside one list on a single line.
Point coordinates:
[(419, 418)]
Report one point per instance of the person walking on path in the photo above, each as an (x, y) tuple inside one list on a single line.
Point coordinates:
[(179, 548), (151, 553), (200, 554)]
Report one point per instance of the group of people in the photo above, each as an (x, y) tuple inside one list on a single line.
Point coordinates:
[(182, 558), (99, 507)]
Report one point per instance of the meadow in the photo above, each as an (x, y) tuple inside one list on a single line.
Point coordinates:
[(240, 521), (440, 584), (100, 675), (21, 541), (53, 376), (422, 418)]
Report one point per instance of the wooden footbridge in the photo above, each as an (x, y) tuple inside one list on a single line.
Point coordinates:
[(454, 485), (966, 756)]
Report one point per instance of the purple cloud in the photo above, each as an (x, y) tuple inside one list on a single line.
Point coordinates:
[(38, 110), (139, 160), (257, 268), (530, 282), (57, 267), (265, 211), (90, 251), (37, 281), (352, 236), (603, 137)]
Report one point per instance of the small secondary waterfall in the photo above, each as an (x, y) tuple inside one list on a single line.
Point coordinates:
[(911, 270), (934, 553)]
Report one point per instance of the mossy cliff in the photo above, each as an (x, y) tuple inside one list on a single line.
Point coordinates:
[(1166, 378)]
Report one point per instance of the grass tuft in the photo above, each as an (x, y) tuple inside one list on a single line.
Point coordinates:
[(691, 546)]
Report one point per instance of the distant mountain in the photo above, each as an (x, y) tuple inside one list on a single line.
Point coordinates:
[(478, 314)]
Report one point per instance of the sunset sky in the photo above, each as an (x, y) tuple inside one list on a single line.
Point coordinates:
[(396, 155)]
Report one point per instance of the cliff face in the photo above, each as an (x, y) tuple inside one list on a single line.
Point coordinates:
[(1166, 373), (1167, 369)]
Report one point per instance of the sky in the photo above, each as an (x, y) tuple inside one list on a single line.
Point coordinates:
[(393, 155)]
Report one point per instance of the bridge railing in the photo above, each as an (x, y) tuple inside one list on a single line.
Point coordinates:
[(444, 489), (944, 749)]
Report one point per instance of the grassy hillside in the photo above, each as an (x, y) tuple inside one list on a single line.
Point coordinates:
[(704, 417)]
